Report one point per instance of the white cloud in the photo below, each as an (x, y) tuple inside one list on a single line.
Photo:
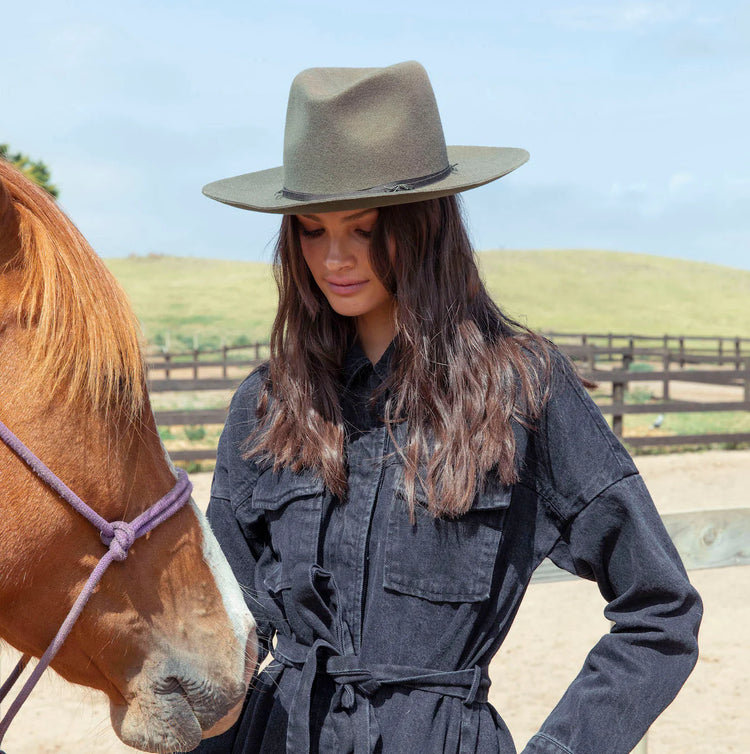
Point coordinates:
[(621, 16), (680, 181), (629, 192), (703, 220)]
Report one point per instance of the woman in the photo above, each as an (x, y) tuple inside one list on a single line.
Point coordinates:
[(387, 483)]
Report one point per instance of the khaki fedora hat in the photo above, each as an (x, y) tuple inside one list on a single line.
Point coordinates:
[(363, 137)]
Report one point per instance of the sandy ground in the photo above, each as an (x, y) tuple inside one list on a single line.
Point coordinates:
[(555, 628)]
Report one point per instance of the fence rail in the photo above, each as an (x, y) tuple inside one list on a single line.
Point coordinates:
[(720, 342), (605, 358), (704, 539)]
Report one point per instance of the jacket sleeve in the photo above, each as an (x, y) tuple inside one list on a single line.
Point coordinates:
[(608, 530)]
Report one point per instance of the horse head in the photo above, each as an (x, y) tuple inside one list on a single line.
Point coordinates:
[(166, 635)]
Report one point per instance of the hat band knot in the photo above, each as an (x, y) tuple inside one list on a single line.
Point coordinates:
[(392, 187)]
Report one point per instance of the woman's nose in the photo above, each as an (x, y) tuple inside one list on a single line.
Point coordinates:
[(337, 254)]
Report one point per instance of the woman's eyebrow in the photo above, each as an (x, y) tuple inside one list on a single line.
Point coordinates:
[(354, 216)]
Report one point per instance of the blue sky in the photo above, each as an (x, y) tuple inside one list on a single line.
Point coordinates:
[(636, 114)]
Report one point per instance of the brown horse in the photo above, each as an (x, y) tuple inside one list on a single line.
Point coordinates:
[(166, 635)]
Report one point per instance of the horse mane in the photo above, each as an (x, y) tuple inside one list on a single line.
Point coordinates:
[(86, 338)]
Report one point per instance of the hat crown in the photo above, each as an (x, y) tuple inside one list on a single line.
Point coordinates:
[(350, 129)]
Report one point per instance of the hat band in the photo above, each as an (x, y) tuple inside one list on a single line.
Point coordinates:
[(388, 188)]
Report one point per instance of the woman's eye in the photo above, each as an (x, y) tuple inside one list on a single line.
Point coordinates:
[(310, 233), (364, 233)]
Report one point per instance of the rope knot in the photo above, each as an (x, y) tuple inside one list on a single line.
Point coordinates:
[(123, 536)]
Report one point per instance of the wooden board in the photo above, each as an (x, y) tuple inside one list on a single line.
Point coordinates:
[(704, 539)]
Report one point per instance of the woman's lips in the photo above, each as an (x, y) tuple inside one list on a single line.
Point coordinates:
[(344, 289)]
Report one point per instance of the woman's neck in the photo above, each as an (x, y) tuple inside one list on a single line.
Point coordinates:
[(375, 332)]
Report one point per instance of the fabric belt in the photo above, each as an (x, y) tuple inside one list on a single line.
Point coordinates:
[(331, 655)]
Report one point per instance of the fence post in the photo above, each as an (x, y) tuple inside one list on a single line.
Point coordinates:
[(167, 359), (257, 351), (195, 356), (737, 352), (618, 391), (618, 397), (224, 360), (747, 379), (665, 385), (682, 350), (627, 357)]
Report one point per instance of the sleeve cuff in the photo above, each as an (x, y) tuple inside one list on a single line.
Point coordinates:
[(541, 743)]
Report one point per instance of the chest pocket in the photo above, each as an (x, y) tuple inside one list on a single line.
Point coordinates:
[(445, 559), (292, 503)]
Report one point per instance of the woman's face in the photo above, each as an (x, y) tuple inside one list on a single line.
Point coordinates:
[(336, 248)]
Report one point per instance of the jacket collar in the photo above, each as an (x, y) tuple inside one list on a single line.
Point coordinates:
[(356, 360)]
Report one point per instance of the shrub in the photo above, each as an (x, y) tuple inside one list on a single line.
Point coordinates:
[(195, 433)]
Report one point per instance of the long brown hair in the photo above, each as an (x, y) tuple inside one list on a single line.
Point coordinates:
[(462, 371)]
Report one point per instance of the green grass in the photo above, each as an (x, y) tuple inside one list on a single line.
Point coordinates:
[(178, 299), (597, 291), (641, 366), (190, 400), (582, 291), (714, 422)]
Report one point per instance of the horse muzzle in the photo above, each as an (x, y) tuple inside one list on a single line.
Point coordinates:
[(174, 709)]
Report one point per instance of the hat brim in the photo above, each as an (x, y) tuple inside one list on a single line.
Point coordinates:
[(472, 166)]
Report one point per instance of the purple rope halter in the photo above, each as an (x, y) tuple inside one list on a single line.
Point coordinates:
[(118, 536)]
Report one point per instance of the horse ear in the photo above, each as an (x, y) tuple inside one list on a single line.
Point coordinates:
[(10, 237)]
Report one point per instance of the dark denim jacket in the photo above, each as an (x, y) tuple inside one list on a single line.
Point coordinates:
[(384, 629)]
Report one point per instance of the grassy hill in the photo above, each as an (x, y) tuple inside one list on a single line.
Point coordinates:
[(585, 291), (179, 298)]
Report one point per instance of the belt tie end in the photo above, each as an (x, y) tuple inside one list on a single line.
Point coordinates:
[(476, 684)]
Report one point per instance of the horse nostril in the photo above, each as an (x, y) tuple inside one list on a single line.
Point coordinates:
[(209, 699), (170, 686)]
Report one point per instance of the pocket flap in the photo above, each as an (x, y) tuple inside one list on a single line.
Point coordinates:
[(275, 489), (494, 495), (274, 580)]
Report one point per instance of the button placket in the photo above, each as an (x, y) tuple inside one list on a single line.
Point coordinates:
[(364, 481)]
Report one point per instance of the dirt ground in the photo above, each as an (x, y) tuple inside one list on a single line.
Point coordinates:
[(555, 628)]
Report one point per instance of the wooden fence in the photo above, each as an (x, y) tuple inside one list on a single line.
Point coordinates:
[(604, 358), (671, 369), (224, 359), (713, 348)]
